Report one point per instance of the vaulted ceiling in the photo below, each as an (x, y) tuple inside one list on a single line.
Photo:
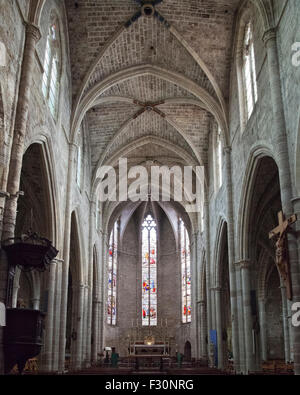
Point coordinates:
[(159, 78)]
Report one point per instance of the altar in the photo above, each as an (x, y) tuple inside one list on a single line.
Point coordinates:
[(152, 351)]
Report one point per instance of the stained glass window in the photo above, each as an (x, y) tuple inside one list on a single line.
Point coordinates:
[(112, 276), (149, 272), (185, 273), (249, 70)]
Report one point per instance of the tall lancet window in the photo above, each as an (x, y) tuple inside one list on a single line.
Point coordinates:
[(50, 85), (249, 71), (112, 276), (149, 272), (185, 273)]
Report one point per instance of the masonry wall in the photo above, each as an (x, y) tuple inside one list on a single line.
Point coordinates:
[(258, 132)]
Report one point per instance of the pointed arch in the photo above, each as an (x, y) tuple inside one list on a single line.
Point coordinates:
[(256, 154), (220, 242), (88, 100)]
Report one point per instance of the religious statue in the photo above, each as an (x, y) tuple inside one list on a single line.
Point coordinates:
[(281, 257), (114, 358)]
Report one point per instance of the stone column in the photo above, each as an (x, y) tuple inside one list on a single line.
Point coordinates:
[(240, 317), (81, 298), (207, 269), (86, 336), (92, 226), (285, 323), (232, 274), (282, 156), (35, 302), (194, 276), (57, 308), (33, 35), (263, 329), (65, 268), (213, 308), (203, 329), (10, 212), (95, 323), (102, 288), (218, 291), (248, 321), (16, 288), (295, 332), (48, 347), (78, 325)]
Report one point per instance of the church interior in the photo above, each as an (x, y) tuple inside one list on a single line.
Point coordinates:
[(119, 286)]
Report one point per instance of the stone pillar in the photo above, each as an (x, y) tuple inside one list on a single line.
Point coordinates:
[(213, 308), (240, 317), (33, 35), (207, 269), (203, 329), (232, 274), (102, 279), (295, 332), (85, 335), (248, 321), (95, 323), (194, 276), (57, 308), (80, 330), (282, 157), (10, 212), (263, 329), (218, 291), (35, 302), (65, 268), (16, 288), (285, 323), (48, 347)]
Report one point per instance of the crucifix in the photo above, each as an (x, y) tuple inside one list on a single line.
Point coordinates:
[(282, 258)]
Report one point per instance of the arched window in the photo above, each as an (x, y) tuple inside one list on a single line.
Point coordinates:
[(217, 158), (149, 272), (186, 286), (52, 62), (112, 276), (80, 150), (249, 71), (79, 160)]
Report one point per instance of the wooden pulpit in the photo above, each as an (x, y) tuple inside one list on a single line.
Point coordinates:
[(22, 337)]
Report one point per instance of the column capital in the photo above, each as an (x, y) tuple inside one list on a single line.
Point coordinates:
[(245, 264), (202, 302), (4, 194), (57, 261), (296, 204), (33, 31), (216, 289), (227, 150), (269, 35)]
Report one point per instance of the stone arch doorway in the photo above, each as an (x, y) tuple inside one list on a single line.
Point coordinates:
[(222, 300), (187, 351), (74, 323), (262, 206), (34, 214)]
